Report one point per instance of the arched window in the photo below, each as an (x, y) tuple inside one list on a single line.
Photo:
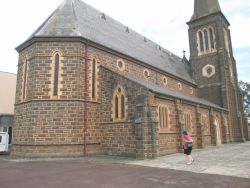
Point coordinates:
[(56, 74), (116, 107), (25, 79), (211, 35), (160, 117), (179, 86), (146, 73), (164, 123), (122, 106), (164, 120), (94, 79), (201, 41), (119, 104), (206, 40)]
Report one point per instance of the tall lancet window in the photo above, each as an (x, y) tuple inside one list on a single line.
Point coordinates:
[(206, 40), (164, 115), (211, 34), (122, 106), (25, 79), (56, 74), (116, 107), (119, 104), (201, 41), (94, 79)]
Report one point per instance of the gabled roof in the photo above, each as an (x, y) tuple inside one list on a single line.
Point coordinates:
[(167, 92), (74, 18), (204, 8)]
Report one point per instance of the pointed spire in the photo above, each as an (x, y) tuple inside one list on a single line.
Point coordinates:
[(205, 7)]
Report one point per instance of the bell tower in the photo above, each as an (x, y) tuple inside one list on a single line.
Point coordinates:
[(212, 63)]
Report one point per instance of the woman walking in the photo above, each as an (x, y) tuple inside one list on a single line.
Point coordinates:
[(187, 146)]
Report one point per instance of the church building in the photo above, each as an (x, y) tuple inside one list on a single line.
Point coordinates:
[(89, 85)]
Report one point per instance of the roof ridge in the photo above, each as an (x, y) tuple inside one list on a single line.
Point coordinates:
[(47, 26), (130, 30), (75, 18)]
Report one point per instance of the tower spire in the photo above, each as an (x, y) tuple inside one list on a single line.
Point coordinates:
[(205, 7)]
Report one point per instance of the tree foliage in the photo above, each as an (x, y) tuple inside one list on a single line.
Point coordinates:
[(245, 87)]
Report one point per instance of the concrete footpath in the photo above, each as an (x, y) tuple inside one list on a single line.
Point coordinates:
[(231, 161), (228, 159)]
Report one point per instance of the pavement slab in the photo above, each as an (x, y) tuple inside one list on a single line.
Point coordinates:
[(88, 174), (225, 166), (228, 159)]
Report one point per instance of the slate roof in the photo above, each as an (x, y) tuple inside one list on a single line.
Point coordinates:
[(175, 94), (168, 92), (205, 7), (74, 18)]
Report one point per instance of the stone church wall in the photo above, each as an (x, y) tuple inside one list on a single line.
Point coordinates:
[(206, 126), (169, 138), (135, 69), (118, 137), (49, 126)]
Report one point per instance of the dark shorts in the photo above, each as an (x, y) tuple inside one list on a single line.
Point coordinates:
[(188, 151)]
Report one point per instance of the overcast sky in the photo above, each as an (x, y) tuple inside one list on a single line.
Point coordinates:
[(163, 21)]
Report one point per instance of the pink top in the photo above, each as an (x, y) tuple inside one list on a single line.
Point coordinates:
[(186, 139)]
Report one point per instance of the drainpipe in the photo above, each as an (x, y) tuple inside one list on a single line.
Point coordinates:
[(85, 128)]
